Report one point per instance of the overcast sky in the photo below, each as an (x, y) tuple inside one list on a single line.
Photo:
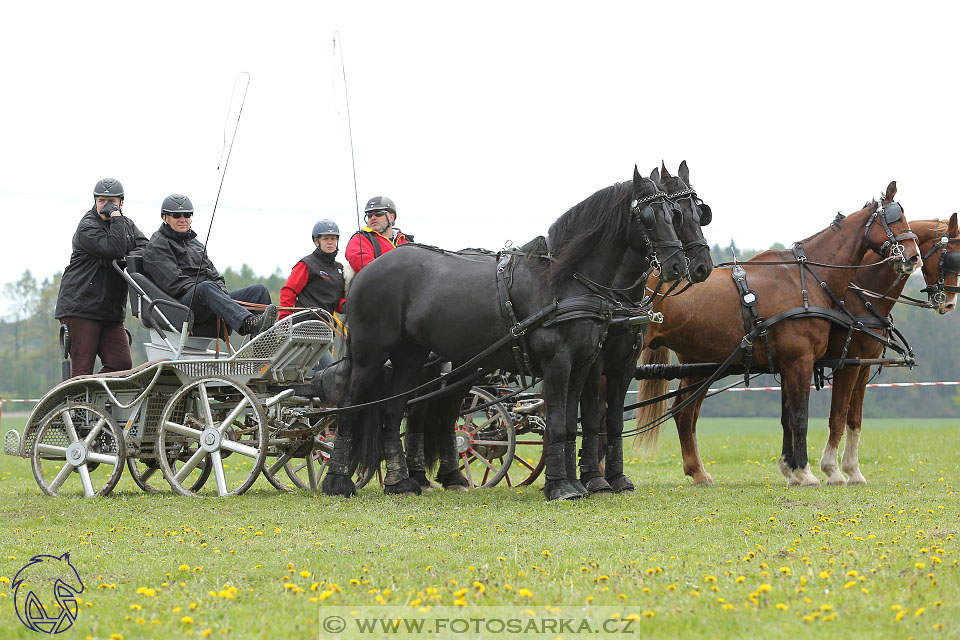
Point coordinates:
[(483, 121)]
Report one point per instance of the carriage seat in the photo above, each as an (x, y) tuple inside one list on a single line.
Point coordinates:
[(126, 373), (145, 307)]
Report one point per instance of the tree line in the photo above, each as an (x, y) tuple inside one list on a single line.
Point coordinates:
[(30, 351)]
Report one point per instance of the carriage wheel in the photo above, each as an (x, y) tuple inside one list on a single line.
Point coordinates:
[(530, 455), (486, 441), (221, 418), (81, 441), (143, 471)]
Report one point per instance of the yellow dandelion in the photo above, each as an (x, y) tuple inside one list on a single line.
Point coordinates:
[(186, 620), (184, 567), (782, 606), (648, 614), (525, 593), (545, 553)]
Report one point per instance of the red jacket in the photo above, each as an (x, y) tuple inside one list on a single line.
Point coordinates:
[(361, 241)]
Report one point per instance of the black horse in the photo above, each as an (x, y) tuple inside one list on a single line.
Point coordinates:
[(617, 360), (540, 304)]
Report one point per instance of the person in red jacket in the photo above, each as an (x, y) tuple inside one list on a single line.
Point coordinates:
[(317, 279), (378, 237)]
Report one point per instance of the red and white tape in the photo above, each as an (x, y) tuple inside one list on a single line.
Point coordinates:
[(876, 386)]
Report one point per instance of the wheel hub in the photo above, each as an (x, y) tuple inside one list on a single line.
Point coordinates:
[(210, 440), (76, 454), (462, 439)]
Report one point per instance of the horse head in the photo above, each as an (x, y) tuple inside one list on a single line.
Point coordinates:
[(890, 229), (652, 230), (690, 214), (941, 266)]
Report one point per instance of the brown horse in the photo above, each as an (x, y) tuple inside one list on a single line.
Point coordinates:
[(850, 383), (709, 327)]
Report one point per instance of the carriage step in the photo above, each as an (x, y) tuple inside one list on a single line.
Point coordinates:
[(11, 443)]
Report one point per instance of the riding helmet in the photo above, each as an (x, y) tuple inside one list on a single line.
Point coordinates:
[(176, 203), (325, 227), (108, 187), (380, 203)]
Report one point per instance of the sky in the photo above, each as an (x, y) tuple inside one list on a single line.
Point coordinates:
[(484, 122)]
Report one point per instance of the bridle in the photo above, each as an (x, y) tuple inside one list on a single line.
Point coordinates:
[(695, 205), (642, 209), (885, 215), (949, 263)]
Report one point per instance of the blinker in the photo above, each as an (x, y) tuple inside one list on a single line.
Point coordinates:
[(892, 212), (648, 218), (951, 261), (706, 214)]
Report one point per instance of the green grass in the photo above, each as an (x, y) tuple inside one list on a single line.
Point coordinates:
[(747, 557)]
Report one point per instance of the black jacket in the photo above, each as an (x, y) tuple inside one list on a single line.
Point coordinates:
[(325, 288), (171, 259), (91, 288)]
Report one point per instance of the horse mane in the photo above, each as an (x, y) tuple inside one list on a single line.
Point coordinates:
[(598, 220)]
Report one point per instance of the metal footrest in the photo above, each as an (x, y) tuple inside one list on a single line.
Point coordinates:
[(11, 443)]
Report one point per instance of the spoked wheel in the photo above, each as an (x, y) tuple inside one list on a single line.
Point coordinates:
[(486, 441), (213, 419), (80, 443), (146, 473), (529, 457)]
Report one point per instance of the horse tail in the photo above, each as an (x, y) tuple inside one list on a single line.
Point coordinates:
[(647, 441), (367, 450)]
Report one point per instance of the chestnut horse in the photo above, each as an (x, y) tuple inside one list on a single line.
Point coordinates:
[(709, 327), (850, 383)]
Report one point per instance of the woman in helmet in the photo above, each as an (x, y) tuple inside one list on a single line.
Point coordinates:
[(317, 279), (93, 296)]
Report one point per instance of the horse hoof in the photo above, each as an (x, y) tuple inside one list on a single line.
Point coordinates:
[(579, 488), (453, 481), (598, 484), (406, 487), (338, 485), (560, 490), (703, 478), (420, 477), (836, 480), (856, 477), (621, 484)]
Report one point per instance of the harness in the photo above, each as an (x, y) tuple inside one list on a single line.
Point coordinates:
[(751, 318), (949, 262)]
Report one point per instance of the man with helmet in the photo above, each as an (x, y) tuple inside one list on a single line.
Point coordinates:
[(378, 237), (175, 260), (92, 299), (317, 279)]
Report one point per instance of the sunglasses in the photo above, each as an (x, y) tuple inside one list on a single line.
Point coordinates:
[(185, 214), (376, 214)]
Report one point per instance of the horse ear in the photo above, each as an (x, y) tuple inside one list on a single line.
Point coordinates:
[(663, 169), (891, 191), (952, 230), (684, 173), (655, 176), (636, 175)]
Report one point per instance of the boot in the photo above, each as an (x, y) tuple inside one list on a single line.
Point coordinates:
[(256, 323)]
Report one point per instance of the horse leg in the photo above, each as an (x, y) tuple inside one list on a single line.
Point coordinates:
[(686, 420), (591, 415), (616, 393), (418, 416), (851, 460), (407, 366), (556, 388), (843, 384), (337, 481), (444, 424), (795, 399)]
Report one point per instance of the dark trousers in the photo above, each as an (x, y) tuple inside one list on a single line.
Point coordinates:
[(213, 302), (92, 338)]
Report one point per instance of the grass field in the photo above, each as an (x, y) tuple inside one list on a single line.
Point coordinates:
[(747, 557)]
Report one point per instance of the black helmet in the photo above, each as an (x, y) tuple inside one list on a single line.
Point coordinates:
[(175, 203), (108, 187), (380, 203), (325, 227)]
